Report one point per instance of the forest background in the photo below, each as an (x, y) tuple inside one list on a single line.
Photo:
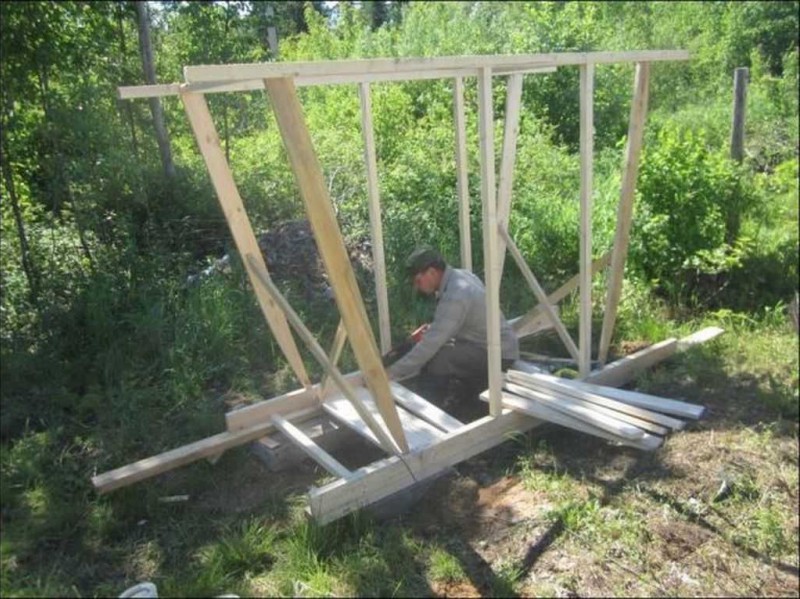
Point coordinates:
[(115, 346)]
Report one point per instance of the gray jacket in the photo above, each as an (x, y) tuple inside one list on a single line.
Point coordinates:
[(460, 315)]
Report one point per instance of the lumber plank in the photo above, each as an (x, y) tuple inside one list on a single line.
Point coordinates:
[(424, 409), (257, 413), (581, 410), (380, 479), (319, 355), (228, 194), (594, 394), (180, 456), (645, 400), (418, 432), (543, 412), (530, 278), (490, 262), (585, 253), (319, 209), (701, 336), (376, 227), (462, 182), (314, 451), (527, 324), (509, 157), (339, 339), (630, 171), (643, 419), (620, 372), (234, 72)]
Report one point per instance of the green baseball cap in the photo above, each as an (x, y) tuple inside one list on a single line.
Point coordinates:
[(422, 258)]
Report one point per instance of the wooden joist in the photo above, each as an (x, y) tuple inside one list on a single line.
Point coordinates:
[(380, 479), (620, 372), (314, 451), (424, 409)]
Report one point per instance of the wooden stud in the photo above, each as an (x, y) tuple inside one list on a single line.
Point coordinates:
[(586, 149), (491, 276), (625, 207), (376, 227), (524, 324), (424, 409), (563, 334), (239, 223), (319, 355), (319, 210), (620, 372), (462, 182), (505, 184), (380, 479), (334, 354), (311, 449), (258, 413)]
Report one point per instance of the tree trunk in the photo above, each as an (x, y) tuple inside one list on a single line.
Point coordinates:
[(148, 64), (126, 106)]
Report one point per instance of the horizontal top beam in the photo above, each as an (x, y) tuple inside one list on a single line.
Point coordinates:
[(372, 66)]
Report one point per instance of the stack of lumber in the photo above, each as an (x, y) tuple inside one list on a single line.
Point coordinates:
[(625, 417)]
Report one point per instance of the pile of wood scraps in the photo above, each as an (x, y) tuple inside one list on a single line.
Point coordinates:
[(625, 417)]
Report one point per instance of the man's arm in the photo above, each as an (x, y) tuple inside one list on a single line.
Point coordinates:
[(449, 316)]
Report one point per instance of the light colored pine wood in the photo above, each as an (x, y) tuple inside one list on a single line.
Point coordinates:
[(385, 477), (645, 401), (334, 354), (543, 412), (523, 325), (701, 336), (563, 334), (180, 456), (462, 182), (319, 355), (646, 419), (319, 210), (489, 203), (625, 208), (577, 409), (376, 226), (505, 184), (311, 449), (424, 409), (258, 413), (418, 432), (417, 66), (587, 154), (540, 323), (239, 223), (620, 372)]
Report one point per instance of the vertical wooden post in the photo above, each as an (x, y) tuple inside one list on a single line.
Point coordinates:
[(373, 198), (490, 235), (630, 170), (586, 149), (505, 184), (462, 183), (319, 209), (740, 77), (228, 194)]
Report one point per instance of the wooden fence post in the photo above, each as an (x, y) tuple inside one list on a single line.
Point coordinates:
[(740, 77)]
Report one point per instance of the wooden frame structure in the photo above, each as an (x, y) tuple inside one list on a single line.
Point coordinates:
[(420, 439)]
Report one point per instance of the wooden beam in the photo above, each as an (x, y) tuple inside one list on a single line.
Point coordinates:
[(376, 228), (311, 449), (505, 184), (334, 354), (544, 413), (261, 412), (424, 409), (625, 208), (586, 149), (594, 394), (169, 460), (523, 325), (239, 223), (415, 66), (381, 479), (620, 372), (540, 295), (462, 182), (319, 209), (579, 410), (701, 336), (491, 274), (320, 356)]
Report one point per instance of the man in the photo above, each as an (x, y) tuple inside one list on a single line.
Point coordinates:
[(454, 344)]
